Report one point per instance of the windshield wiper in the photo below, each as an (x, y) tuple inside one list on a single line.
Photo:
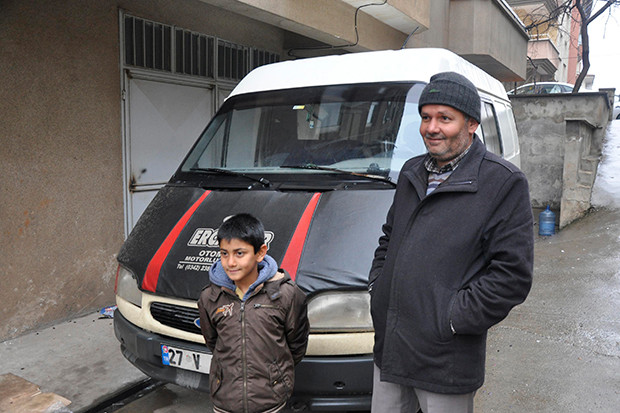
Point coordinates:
[(264, 182), (326, 168)]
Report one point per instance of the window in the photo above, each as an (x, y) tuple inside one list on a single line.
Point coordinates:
[(490, 130), (194, 53), (158, 46), (357, 128)]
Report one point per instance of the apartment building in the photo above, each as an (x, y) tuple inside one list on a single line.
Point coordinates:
[(554, 48)]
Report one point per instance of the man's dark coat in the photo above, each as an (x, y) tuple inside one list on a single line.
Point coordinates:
[(463, 254)]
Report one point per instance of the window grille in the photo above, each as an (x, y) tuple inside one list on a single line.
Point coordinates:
[(148, 44), (157, 46), (194, 53), (232, 60), (262, 57)]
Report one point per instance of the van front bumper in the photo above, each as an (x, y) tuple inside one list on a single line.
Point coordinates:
[(321, 383)]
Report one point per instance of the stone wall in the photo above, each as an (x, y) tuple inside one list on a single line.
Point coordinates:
[(561, 138)]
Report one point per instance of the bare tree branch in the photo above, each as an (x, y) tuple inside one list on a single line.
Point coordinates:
[(585, 39), (600, 11), (537, 22)]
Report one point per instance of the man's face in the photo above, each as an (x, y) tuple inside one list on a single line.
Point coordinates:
[(445, 131)]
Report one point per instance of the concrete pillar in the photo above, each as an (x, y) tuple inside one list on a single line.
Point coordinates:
[(577, 184)]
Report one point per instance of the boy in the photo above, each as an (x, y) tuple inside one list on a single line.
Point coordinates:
[(254, 320)]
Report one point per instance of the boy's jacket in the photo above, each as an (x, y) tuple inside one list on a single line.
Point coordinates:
[(256, 343)]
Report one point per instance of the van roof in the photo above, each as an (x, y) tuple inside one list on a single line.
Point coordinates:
[(405, 65)]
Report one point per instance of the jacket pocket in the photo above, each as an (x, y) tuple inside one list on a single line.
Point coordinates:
[(215, 377), (444, 329), (280, 383)]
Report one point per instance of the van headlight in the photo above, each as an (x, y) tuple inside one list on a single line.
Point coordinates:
[(127, 286), (340, 311)]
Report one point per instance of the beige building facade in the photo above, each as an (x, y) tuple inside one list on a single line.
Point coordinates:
[(554, 49), (101, 99)]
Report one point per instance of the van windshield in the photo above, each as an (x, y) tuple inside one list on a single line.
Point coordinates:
[(369, 128)]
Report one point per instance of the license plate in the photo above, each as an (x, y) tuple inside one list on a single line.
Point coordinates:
[(185, 359)]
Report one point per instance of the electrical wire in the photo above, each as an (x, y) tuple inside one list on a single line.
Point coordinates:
[(409, 37), (357, 37)]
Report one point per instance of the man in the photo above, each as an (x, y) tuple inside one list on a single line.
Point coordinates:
[(456, 255)]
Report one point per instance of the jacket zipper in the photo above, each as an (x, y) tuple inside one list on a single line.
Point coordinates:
[(244, 359), (460, 183), (265, 306), (446, 186)]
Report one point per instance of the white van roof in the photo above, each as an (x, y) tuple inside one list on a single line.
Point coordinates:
[(405, 65)]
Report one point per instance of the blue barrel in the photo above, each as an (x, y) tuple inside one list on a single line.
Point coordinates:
[(546, 222)]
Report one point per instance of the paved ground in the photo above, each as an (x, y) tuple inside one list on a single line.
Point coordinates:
[(79, 360), (557, 352), (560, 350)]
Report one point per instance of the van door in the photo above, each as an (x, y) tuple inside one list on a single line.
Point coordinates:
[(162, 121)]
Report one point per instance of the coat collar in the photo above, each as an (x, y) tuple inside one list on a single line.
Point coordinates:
[(463, 179), (271, 287)]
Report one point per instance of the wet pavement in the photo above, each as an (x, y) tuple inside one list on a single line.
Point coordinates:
[(560, 350)]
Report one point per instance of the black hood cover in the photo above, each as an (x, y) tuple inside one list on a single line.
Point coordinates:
[(324, 240)]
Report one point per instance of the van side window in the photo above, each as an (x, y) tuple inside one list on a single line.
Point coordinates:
[(490, 130)]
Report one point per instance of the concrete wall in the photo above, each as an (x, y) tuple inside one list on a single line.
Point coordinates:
[(61, 187), (561, 139), (471, 28), (332, 22), (439, 29), (60, 164), (487, 33)]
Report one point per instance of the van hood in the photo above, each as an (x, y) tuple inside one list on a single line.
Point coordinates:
[(324, 240)]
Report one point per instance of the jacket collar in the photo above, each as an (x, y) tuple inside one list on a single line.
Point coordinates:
[(463, 179), (271, 287)]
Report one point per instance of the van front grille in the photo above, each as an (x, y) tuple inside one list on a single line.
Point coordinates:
[(176, 316)]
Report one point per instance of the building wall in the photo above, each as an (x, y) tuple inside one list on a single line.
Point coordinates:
[(61, 183), (331, 22), (574, 50), (60, 165), (563, 44), (470, 28), (475, 27), (437, 34), (562, 59), (561, 139)]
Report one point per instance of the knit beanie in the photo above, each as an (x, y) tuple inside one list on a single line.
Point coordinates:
[(452, 89)]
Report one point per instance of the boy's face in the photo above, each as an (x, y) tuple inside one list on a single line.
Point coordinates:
[(240, 261)]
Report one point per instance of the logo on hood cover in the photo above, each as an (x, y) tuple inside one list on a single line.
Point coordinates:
[(204, 237), (207, 237), (203, 259)]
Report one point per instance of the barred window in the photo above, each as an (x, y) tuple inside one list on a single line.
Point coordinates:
[(148, 44), (158, 46), (194, 53)]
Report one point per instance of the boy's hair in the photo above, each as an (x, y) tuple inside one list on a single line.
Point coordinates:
[(245, 227)]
